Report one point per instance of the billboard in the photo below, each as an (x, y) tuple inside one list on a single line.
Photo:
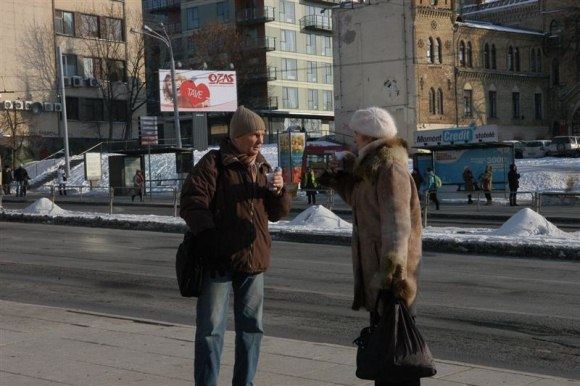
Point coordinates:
[(290, 150), (93, 168), (148, 131), (457, 135), (199, 91)]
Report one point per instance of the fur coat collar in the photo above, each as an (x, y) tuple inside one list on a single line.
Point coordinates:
[(376, 153)]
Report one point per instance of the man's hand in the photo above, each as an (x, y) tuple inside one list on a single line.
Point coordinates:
[(278, 181)]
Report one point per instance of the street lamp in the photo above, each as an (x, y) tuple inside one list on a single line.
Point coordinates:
[(148, 31)]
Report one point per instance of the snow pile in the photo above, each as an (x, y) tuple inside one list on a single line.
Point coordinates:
[(45, 207), (529, 223)]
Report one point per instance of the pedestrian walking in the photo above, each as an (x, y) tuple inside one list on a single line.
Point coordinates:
[(469, 183), (514, 184), (310, 185), (386, 239), (227, 202), (138, 185), (433, 184), (487, 183), (7, 180), (21, 177), (418, 179), (61, 179)]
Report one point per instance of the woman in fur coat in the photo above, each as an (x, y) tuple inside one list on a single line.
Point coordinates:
[(386, 239)]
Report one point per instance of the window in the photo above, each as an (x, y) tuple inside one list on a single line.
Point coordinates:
[(289, 71), (113, 29), (115, 70), (92, 68), (510, 59), (493, 57), (462, 54), (517, 59), (326, 46), (469, 55), (223, 13), (539, 60), (91, 109), (555, 72), (312, 99), (538, 106), (492, 104), (311, 44), (533, 60), (288, 40), (192, 18), (327, 100), (119, 110), (486, 56), (438, 51), (327, 73), (287, 12), (89, 26), (432, 101), (516, 105), (311, 72), (72, 108), (440, 102), (430, 50), (317, 11), (468, 103), (69, 65), (289, 97), (64, 23)]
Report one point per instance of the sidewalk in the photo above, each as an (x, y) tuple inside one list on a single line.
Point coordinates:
[(54, 346)]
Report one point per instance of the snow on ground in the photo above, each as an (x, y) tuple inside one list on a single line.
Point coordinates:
[(548, 174), (524, 228)]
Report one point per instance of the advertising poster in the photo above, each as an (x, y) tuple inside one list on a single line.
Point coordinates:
[(291, 149), (449, 164), (199, 91), (93, 168)]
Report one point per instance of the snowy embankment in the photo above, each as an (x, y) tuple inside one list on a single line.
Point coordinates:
[(525, 234)]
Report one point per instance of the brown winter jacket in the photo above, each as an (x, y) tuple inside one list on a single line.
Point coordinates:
[(241, 209), (386, 220)]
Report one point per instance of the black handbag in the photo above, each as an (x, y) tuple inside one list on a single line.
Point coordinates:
[(392, 349), (188, 267)]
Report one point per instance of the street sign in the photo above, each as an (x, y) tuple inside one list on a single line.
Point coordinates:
[(93, 168), (148, 132)]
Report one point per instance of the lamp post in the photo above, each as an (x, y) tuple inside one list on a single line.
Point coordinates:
[(147, 31)]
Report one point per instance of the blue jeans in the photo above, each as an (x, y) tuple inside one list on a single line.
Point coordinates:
[(211, 321)]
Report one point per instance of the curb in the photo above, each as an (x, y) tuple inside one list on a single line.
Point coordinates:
[(429, 244)]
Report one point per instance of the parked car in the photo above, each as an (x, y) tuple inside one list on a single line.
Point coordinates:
[(568, 146), (535, 149), (518, 148)]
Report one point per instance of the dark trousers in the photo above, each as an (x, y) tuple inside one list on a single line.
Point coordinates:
[(414, 382), (488, 197), (433, 198), (469, 200), (513, 195), (311, 197)]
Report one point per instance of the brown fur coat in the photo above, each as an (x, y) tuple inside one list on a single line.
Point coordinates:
[(386, 239)]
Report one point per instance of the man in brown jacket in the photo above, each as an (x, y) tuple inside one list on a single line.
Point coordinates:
[(227, 201)]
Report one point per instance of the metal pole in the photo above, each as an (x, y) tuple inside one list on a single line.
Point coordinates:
[(175, 107), (111, 195), (426, 209), (174, 201), (150, 177), (63, 103)]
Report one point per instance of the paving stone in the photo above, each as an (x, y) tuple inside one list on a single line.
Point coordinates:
[(24, 380), (485, 377)]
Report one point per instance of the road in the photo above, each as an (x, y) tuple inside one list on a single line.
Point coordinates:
[(512, 313)]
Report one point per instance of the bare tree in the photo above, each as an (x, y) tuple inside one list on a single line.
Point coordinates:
[(15, 127), (38, 59), (136, 95)]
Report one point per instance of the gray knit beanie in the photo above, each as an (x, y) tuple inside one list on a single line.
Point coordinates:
[(245, 121)]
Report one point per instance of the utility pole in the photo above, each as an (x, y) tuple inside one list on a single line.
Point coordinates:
[(63, 102)]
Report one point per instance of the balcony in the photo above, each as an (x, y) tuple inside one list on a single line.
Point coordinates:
[(262, 103), (317, 23), (162, 5), (173, 28), (271, 73), (325, 2), (256, 15), (267, 43)]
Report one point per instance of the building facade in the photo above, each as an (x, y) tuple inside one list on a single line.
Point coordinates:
[(98, 52), (288, 74), (460, 71)]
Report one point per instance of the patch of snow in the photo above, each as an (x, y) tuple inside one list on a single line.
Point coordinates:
[(526, 222), (317, 217), (44, 206)]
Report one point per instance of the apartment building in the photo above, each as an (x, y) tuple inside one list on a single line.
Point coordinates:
[(98, 54), (288, 74), (444, 63)]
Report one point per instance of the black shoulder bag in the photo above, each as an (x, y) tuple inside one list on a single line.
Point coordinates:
[(188, 265), (392, 349)]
